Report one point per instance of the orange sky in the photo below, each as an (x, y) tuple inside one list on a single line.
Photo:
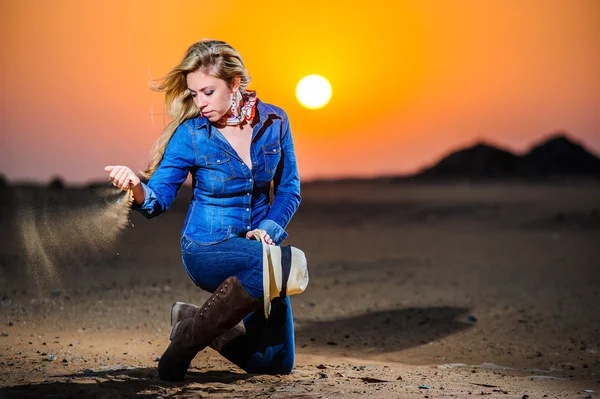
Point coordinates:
[(411, 80)]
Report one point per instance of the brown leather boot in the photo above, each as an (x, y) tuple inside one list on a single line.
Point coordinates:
[(181, 311), (232, 344), (229, 336), (222, 311)]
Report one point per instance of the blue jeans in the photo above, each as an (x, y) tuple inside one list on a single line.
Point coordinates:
[(269, 343)]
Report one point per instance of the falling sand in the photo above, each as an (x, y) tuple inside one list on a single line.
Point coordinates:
[(56, 237)]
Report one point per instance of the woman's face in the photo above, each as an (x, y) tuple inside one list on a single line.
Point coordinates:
[(211, 95)]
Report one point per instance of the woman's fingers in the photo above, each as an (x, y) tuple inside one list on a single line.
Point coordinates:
[(114, 171), (266, 237), (124, 184), (121, 176), (124, 180)]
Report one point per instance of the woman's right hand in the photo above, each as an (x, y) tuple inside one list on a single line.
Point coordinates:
[(122, 177)]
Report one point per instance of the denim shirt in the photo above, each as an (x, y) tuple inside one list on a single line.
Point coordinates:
[(228, 198)]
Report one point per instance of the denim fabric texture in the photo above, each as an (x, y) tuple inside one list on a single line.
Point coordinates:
[(268, 346), (229, 198), (210, 265), (270, 342)]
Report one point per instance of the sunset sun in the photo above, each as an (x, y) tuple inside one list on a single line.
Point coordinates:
[(313, 91)]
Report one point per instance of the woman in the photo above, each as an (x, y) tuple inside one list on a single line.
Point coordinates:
[(235, 147)]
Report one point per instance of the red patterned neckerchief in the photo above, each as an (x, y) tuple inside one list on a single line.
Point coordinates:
[(247, 111)]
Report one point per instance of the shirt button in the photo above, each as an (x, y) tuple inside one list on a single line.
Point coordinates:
[(247, 193), (218, 160), (248, 227), (247, 209), (250, 180)]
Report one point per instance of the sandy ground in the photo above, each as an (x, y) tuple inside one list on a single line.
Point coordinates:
[(416, 291)]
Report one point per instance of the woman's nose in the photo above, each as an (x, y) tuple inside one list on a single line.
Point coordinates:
[(201, 103)]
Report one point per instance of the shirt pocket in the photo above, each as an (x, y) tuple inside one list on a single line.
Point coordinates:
[(220, 167), (272, 154)]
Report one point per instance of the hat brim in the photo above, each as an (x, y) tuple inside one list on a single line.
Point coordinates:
[(272, 274), (267, 275)]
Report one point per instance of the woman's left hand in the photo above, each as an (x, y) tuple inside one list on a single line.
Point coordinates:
[(268, 240)]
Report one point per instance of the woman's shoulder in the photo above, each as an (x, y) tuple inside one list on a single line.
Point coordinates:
[(192, 124), (271, 109)]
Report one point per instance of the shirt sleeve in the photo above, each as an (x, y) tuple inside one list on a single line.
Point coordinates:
[(165, 182), (286, 189)]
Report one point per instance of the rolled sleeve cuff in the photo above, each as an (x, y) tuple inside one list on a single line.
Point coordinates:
[(150, 202), (276, 232)]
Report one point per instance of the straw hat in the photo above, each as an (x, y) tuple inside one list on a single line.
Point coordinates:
[(277, 262)]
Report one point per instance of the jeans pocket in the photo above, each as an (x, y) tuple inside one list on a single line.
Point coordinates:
[(188, 246)]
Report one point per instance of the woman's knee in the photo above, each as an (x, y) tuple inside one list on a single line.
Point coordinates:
[(287, 365), (209, 266), (283, 363)]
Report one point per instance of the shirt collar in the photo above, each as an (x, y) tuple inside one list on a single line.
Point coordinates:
[(264, 112)]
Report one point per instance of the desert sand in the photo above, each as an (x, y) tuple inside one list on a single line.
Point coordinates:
[(416, 291)]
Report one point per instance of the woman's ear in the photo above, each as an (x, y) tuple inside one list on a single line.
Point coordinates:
[(236, 83)]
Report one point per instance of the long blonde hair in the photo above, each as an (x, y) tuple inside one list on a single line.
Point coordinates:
[(212, 57)]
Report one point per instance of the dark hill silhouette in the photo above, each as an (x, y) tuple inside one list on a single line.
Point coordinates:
[(480, 160), (556, 156)]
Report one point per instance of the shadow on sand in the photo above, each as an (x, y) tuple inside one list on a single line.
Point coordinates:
[(127, 382), (383, 331)]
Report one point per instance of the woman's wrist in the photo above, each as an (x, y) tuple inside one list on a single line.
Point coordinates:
[(139, 194)]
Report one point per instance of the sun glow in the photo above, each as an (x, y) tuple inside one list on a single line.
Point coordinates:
[(313, 91)]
